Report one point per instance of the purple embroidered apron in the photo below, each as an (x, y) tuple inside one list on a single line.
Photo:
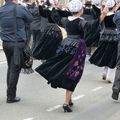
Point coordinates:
[(76, 65)]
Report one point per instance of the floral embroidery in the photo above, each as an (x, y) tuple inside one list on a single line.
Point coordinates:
[(76, 66)]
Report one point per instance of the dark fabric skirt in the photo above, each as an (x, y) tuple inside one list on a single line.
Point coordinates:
[(53, 70), (94, 41), (47, 42), (105, 54)]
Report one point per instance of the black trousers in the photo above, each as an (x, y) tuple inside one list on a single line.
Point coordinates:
[(116, 84), (13, 71), (36, 36)]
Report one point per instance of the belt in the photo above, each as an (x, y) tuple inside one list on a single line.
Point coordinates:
[(14, 41)]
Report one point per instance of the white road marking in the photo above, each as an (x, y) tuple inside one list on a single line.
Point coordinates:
[(28, 119), (53, 108), (78, 97), (58, 106), (97, 88)]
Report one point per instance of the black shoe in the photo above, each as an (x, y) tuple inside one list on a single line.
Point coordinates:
[(66, 108), (16, 99), (115, 95)]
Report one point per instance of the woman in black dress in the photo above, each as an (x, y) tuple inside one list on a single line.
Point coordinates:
[(50, 39), (92, 10), (65, 69), (106, 53), (96, 11)]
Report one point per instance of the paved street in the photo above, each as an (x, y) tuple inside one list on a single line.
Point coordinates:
[(39, 101)]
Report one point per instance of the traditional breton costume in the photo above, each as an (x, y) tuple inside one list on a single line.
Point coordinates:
[(96, 8), (48, 42), (91, 12), (87, 11), (106, 53), (116, 84), (95, 12), (65, 69), (38, 27)]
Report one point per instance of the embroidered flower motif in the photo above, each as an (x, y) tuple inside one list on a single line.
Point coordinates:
[(78, 56), (83, 54), (81, 68), (77, 73), (76, 66), (76, 63)]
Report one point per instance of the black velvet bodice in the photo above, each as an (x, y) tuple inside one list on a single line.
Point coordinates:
[(72, 27), (109, 21), (95, 11)]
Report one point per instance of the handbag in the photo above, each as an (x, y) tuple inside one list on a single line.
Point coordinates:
[(22, 58)]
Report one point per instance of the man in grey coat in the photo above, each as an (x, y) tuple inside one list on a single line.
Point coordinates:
[(7, 34), (116, 85)]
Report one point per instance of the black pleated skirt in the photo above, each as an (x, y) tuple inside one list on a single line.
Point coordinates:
[(54, 68), (105, 54), (47, 42)]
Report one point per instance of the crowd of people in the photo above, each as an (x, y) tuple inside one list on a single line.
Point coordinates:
[(89, 25)]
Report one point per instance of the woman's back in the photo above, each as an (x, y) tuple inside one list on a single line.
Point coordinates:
[(72, 26)]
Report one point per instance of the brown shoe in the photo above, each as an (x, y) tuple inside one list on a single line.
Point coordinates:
[(104, 77), (109, 81)]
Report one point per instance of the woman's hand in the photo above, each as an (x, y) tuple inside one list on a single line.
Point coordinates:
[(105, 11), (117, 7), (103, 14)]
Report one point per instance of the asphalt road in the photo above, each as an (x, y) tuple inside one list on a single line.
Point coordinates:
[(92, 98)]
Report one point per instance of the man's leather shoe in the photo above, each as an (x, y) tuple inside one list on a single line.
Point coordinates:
[(115, 94), (16, 99)]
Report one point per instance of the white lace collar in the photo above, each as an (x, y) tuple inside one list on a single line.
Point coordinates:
[(71, 18), (110, 13), (50, 8)]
